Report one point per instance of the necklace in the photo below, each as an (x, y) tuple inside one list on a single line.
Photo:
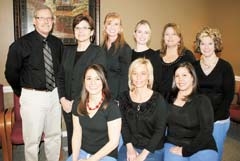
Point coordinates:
[(210, 65), (98, 105)]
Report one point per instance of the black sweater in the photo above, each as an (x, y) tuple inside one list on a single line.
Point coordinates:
[(191, 125), (219, 86)]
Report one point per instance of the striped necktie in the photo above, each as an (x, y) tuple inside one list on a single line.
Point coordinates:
[(50, 79)]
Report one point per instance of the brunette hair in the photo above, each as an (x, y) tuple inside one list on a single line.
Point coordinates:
[(176, 28), (82, 110), (120, 39), (84, 17), (135, 64), (214, 34), (175, 90)]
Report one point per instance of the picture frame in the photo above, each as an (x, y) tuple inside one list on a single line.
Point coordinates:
[(64, 12)]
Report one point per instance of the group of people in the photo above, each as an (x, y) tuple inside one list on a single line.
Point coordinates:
[(120, 103)]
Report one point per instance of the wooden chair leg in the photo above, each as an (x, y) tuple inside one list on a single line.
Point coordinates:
[(3, 137)]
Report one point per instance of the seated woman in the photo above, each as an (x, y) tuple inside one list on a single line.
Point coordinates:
[(190, 120), (144, 116), (96, 120)]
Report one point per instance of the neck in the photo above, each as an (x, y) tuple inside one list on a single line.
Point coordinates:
[(82, 46), (95, 98), (209, 59), (140, 48), (182, 94), (172, 50), (111, 39), (141, 94)]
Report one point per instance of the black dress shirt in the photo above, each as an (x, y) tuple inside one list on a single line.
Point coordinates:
[(25, 61)]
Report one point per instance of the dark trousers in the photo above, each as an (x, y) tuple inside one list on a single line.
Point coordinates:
[(69, 125)]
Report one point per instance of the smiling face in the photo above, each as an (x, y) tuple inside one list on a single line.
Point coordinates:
[(171, 38), (207, 46), (43, 22), (93, 82), (140, 76), (142, 34), (113, 27), (183, 79), (83, 31)]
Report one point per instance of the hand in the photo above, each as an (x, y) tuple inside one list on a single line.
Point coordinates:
[(131, 154), (66, 104), (176, 150)]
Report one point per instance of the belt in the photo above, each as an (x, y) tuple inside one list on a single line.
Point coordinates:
[(41, 90)]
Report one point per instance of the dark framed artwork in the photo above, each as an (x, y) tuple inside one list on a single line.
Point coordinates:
[(64, 11)]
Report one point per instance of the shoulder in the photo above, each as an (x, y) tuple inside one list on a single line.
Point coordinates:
[(96, 49), (188, 54), (224, 63), (200, 99), (55, 40)]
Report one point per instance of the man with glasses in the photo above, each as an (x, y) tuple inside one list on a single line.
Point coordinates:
[(31, 68)]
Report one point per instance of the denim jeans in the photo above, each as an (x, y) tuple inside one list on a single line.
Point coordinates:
[(203, 155), (84, 155), (156, 156), (219, 133)]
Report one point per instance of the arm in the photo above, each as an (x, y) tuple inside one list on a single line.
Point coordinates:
[(76, 138), (204, 136), (125, 58), (114, 130), (13, 67)]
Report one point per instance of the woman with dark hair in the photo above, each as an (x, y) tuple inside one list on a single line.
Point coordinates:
[(96, 120), (118, 54), (144, 114), (75, 60), (190, 120), (216, 80), (172, 53)]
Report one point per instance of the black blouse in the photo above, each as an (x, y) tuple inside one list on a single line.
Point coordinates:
[(143, 124)]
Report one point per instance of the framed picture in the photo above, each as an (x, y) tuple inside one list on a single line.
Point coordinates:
[(64, 12)]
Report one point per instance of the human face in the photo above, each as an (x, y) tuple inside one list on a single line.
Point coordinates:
[(142, 34), (93, 82), (113, 27), (83, 32), (43, 22), (183, 79), (140, 76), (207, 47), (171, 38)]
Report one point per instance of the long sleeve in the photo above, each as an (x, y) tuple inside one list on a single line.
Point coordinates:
[(13, 68), (204, 135), (124, 59)]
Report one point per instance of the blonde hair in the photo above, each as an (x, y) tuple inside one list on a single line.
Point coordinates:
[(143, 22), (120, 39), (135, 64), (214, 34)]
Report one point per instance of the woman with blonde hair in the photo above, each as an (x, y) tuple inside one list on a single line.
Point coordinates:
[(144, 114), (142, 36), (118, 52), (216, 80)]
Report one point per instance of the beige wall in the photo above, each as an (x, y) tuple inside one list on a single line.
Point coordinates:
[(191, 15)]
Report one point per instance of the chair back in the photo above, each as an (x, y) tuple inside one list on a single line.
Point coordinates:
[(16, 108), (1, 98)]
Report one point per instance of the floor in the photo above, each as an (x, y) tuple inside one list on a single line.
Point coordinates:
[(231, 148)]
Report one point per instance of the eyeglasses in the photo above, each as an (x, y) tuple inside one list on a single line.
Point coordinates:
[(44, 18), (82, 28)]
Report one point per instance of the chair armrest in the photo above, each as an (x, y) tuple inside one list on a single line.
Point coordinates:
[(2, 122), (10, 119)]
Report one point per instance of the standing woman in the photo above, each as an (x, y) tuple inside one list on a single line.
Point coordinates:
[(190, 120), (144, 114), (216, 80), (142, 36), (172, 53), (118, 52), (96, 120), (75, 61)]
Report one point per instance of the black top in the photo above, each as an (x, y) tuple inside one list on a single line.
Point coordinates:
[(143, 124), (191, 126), (118, 61), (219, 86), (25, 61), (71, 72), (95, 129), (168, 70), (153, 56)]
